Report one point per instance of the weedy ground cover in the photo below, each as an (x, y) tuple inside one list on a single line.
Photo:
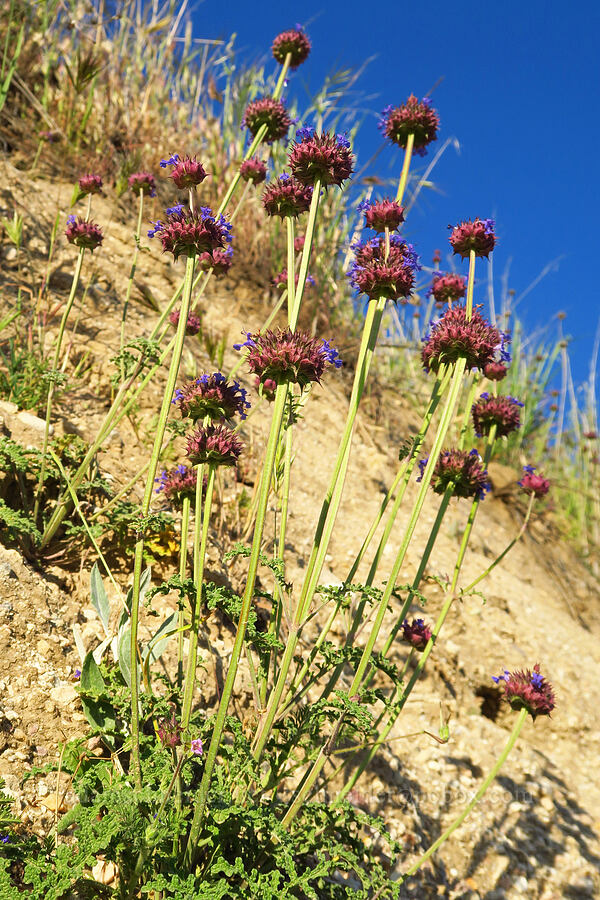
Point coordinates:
[(191, 800)]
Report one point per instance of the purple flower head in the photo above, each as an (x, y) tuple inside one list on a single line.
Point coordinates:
[(415, 117), (191, 233), (186, 172), (454, 336), (90, 184), (5, 839), (52, 137), (295, 42), (286, 196), (382, 214), (416, 633), (495, 371), (503, 412), (253, 170), (377, 276), (534, 484), (216, 445), (218, 260), (82, 233), (142, 183), (271, 113), (280, 280), (288, 356), (171, 161), (323, 157), (477, 235), (462, 470), (176, 210), (196, 747), (77, 673), (193, 324), (299, 243), (169, 732), (447, 288), (527, 690), (212, 396), (305, 133), (176, 484)]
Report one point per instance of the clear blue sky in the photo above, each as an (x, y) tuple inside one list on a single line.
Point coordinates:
[(520, 91)]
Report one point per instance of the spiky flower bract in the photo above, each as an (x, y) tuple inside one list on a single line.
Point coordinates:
[(186, 171), (416, 117), (83, 233), (454, 336), (90, 184), (254, 170), (448, 287), (503, 412), (190, 233), (299, 243), (271, 113), (528, 690), (169, 731), (477, 235), (416, 633), (219, 260), (193, 324), (177, 483), (534, 484), (288, 356), (280, 280), (495, 371), (217, 445), (295, 42), (326, 157), (382, 214), (285, 196), (374, 274), (212, 396), (461, 469), (142, 183)]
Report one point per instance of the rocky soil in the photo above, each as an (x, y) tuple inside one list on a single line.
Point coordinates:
[(536, 834)]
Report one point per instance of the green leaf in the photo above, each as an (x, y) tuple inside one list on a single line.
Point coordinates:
[(91, 681), (158, 643), (99, 598)]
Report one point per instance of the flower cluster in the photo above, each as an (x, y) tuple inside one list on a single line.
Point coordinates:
[(90, 184), (186, 172), (379, 275), (254, 170), (415, 117), (280, 280), (190, 233), (216, 445), (527, 690), (326, 157), (382, 214), (447, 288), (142, 183), (460, 469), (477, 236), (271, 113), (416, 633), (534, 484), (288, 356), (177, 483), (285, 196), (295, 42), (299, 243), (169, 731), (218, 260), (212, 396), (193, 324), (503, 412), (83, 233), (454, 336), (495, 371)]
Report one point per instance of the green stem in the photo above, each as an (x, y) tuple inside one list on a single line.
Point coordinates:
[(506, 550), (461, 818), (139, 547), (185, 525), (291, 267), (410, 142), (306, 251), (138, 232), (327, 516), (202, 521), (265, 485), (470, 285), (59, 340)]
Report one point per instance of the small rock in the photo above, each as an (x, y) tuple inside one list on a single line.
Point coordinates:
[(34, 422), (8, 408), (63, 694)]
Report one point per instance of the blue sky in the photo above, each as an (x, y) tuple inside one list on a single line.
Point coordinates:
[(519, 89)]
